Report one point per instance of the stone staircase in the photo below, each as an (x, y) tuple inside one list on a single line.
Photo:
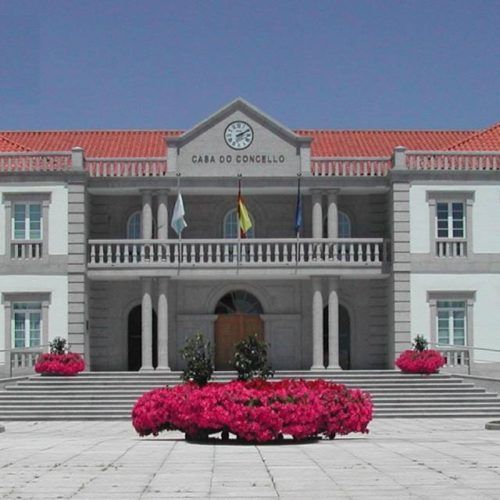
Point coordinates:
[(111, 395)]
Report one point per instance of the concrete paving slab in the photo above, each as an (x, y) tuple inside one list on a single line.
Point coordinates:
[(422, 458)]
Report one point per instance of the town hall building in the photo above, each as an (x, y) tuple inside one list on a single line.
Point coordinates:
[(359, 241)]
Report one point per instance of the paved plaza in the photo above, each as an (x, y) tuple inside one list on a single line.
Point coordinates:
[(400, 458)]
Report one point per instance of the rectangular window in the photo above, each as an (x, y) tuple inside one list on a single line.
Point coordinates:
[(450, 220), (27, 221), (451, 321), (27, 324)]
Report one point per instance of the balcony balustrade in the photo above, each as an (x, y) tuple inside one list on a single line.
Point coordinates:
[(451, 247), (242, 254), (26, 250)]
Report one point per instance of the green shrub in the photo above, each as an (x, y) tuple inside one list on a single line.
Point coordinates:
[(59, 345), (420, 343), (198, 356), (250, 359)]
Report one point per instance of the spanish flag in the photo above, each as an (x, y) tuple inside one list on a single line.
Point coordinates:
[(243, 217)]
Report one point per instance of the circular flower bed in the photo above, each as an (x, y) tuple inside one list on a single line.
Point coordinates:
[(255, 411), (426, 361), (69, 363)]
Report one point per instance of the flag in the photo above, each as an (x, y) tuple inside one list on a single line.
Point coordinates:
[(244, 219), (298, 211), (178, 223)]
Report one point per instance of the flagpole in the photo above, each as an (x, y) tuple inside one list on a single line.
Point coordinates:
[(297, 230), (179, 234), (238, 223)]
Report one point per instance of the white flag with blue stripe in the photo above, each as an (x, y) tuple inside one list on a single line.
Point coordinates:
[(178, 223)]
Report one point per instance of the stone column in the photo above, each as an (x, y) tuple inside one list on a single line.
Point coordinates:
[(162, 216), (317, 215), (333, 215), (333, 324), (317, 324), (163, 325), (147, 325), (147, 216)]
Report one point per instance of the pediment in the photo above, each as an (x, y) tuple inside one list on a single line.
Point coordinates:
[(238, 139)]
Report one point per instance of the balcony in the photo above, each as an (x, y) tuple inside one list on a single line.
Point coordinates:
[(228, 257)]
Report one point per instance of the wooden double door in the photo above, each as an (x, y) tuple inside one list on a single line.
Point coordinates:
[(231, 329)]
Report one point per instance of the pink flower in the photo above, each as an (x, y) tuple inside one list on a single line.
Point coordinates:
[(70, 363), (255, 411), (427, 361)]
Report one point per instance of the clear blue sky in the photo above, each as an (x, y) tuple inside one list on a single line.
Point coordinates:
[(156, 64)]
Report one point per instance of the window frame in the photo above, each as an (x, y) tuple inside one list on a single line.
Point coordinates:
[(9, 300), (468, 298), (467, 199), (127, 225), (230, 212), (10, 200), (340, 214), (27, 312)]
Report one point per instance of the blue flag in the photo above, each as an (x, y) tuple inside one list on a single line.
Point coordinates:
[(298, 211)]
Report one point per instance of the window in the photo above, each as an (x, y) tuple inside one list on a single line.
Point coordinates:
[(450, 223), (451, 329), (26, 324), (231, 225), (26, 319), (451, 317), (343, 225), (450, 220), (134, 230), (134, 226), (27, 224), (27, 221)]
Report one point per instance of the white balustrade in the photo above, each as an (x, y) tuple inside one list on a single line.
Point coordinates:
[(351, 167), (25, 250), (244, 253), (456, 357), (35, 162), (126, 167), (452, 160), (24, 358), (450, 247)]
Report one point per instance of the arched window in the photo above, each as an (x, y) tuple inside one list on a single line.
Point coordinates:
[(231, 225), (344, 225), (134, 226), (238, 302)]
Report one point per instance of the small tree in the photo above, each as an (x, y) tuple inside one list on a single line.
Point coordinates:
[(198, 356), (420, 343), (59, 345), (250, 359)]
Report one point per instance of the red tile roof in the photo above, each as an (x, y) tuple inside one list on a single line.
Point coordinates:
[(486, 140), (9, 145), (379, 142), (96, 143), (151, 143)]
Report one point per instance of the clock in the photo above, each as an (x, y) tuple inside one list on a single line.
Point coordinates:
[(238, 135)]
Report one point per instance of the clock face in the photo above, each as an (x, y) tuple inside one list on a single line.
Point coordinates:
[(238, 135)]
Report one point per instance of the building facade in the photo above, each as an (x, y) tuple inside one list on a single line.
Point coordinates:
[(399, 237)]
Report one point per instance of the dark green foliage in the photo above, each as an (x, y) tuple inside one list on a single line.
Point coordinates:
[(250, 359), (419, 343), (198, 357), (58, 346)]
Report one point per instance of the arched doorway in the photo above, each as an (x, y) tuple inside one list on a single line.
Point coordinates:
[(135, 339), (238, 317), (344, 338)]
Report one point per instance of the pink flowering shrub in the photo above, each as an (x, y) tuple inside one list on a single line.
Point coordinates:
[(426, 361), (69, 363), (255, 411)]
